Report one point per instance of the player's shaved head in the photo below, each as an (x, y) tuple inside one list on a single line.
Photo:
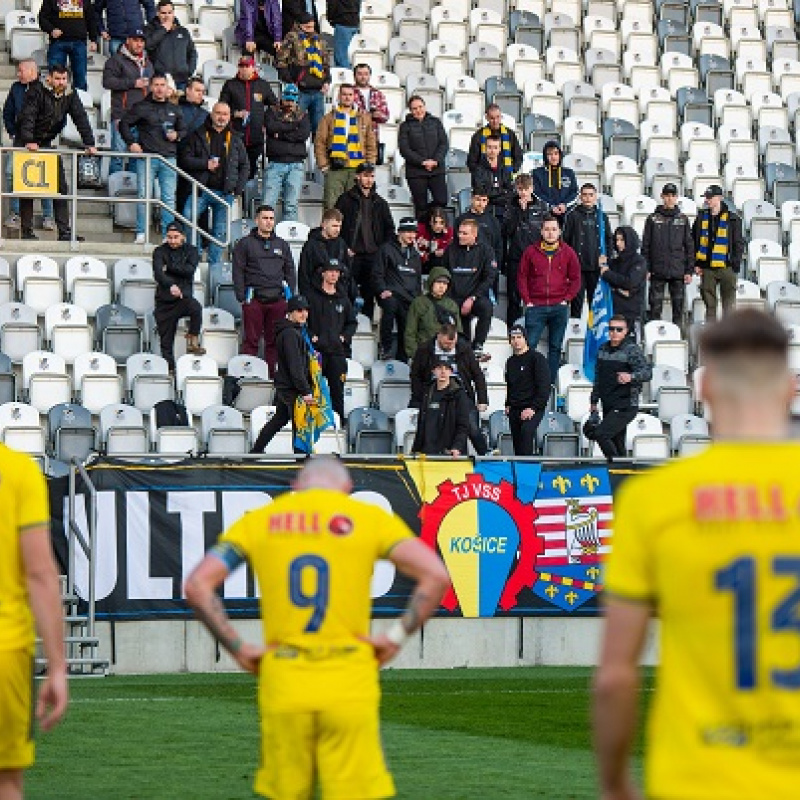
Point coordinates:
[(324, 472)]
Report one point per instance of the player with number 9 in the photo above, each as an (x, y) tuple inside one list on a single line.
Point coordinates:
[(719, 563)]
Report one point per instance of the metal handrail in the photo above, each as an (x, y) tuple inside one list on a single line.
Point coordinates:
[(75, 534), (73, 194)]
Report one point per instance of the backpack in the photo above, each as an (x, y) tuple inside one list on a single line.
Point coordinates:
[(170, 415)]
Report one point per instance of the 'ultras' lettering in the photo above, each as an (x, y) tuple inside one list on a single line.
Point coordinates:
[(478, 544)]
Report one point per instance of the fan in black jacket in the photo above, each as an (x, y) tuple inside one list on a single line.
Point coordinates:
[(492, 175), (324, 246), (170, 45), (626, 273), (68, 26)]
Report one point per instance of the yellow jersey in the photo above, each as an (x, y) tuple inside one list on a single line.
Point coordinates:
[(23, 505), (713, 542), (313, 554)]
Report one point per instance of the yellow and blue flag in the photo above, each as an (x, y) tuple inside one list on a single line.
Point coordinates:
[(311, 420)]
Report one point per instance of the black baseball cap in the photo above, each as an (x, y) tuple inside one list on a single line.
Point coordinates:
[(407, 225), (442, 361), (669, 188), (333, 263), (365, 166), (715, 190), (297, 302), (303, 17), (175, 226), (517, 330), (136, 33)]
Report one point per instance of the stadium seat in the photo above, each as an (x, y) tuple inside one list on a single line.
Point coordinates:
[(70, 432), (19, 331), (87, 282), (45, 381), (117, 332), (122, 430), (405, 428), (198, 382), (254, 384), (173, 439), (134, 284), (222, 431), (20, 428), (67, 329), (96, 381)]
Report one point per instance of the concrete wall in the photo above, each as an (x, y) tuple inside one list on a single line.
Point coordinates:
[(184, 646)]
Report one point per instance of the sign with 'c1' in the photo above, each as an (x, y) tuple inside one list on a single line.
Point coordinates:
[(35, 173)]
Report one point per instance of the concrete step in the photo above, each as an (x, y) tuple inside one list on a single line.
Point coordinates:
[(106, 250)]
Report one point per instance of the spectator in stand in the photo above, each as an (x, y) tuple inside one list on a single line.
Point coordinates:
[(430, 311), (260, 27), (434, 236), (345, 16), (396, 282), (582, 234), (174, 265), (422, 142), (443, 421), (367, 223), (154, 125), (303, 59), (191, 105), (248, 96), (345, 140), (668, 249), (215, 156), (522, 227), (332, 323), (127, 75), (27, 76), (262, 268), (626, 274), (473, 269), (121, 17), (490, 231), (325, 246), (293, 12), (170, 45), (555, 184), (68, 26), (371, 101), (527, 378), (511, 152), (287, 129), (549, 277), (491, 174), (44, 114)]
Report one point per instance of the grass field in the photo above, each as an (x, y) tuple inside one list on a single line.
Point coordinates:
[(475, 734)]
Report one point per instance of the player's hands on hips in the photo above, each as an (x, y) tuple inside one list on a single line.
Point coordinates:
[(249, 657), (53, 698), (385, 650)]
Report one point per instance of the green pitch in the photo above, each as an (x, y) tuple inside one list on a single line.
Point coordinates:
[(477, 734)]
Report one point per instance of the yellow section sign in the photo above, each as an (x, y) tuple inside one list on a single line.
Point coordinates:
[(35, 173)]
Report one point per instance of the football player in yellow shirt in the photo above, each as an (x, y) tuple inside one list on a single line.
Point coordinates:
[(29, 592), (711, 544), (313, 553)]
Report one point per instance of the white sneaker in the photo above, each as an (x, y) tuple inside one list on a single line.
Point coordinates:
[(13, 222), (139, 238), (48, 224)]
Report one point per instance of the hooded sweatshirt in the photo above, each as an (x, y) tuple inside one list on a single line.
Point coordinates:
[(331, 317), (555, 184), (626, 275), (428, 313), (398, 269), (472, 268), (443, 420), (318, 251), (293, 375)]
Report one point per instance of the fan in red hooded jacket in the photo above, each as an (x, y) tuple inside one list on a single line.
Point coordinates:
[(549, 277)]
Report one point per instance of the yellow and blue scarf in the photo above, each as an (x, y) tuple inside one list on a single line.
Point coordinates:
[(346, 140), (508, 161), (719, 250), (314, 56)]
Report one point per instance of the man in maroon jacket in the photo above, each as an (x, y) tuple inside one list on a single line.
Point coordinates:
[(549, 277)]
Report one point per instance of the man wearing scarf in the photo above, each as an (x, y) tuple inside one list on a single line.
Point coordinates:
[(345, 140), (554, 183), (511, 152), (719, 246)]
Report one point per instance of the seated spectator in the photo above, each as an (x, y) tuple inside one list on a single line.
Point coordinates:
[(430, 311), (422, 141), (121, 17), (170, 45), (68, 26), (443, 420), (510, 149), (325, 246), (555, 184), (434, 236), (287, 130), (396, 281), (260, 26), (174, 265), (492, 174), (490, 231), (626, 273)]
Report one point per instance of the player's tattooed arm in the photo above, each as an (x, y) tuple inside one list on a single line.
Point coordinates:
[(212, 612), (419, 608)]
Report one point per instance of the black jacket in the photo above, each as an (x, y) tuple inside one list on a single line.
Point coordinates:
[(194, 159), (555, 185), (331, 319), (76, 21), (489, 232), (262, 265), (582, 235), (344, 12), (498, 183), (293, 375), (736, 241), (627, 272), (286, 135), (450, 424), (44, 114), (120, 74), (316, 253), (522, 228), (476, 145), (472, 269), (171, 52), (398, 271), (151, 119), (467, 371), (123, 16), (291, 11), (422, 140), (174, 267), (252, 96), (349, 203), (628, 357), (667, 244), (527, 378), (12, 107)]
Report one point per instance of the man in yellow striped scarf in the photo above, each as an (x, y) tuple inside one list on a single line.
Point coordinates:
[(719, 247), (511, 152), (345, 138)]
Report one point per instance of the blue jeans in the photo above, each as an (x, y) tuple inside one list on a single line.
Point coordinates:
[(167, 180), (219, 219), (59, 52), (118, 145), (556, 319), (13, 203), (114, 45), (284, 180), (314, 103), (342, 36)]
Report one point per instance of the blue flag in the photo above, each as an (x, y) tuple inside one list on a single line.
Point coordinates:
[(601, 309)]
